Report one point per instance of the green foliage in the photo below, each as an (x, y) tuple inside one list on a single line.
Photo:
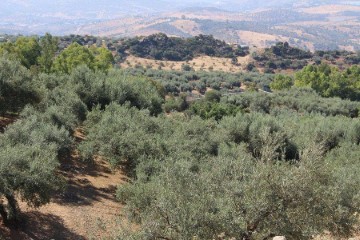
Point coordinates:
[(213, 109), (283, 56), (281, 82), (241, 165), (175, 104), (286, 51), (29, 152), (49, 46), (73, 56), (16, 86), (76, 55), (267, 171), (25, 49), (103, 58), (186, 67), (132, 136), (28, 50), (176, 82), (138, 91), (264, 138), (62, 107), (127, 132), (27, 170), (295, 100), (213, 96), (34, 128), (85, 86), (330, 81), (161, 47), (235, 196)]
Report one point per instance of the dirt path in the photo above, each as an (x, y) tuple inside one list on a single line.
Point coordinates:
[(86, 210)]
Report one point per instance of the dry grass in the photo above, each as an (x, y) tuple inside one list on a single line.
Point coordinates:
[(187, 26), (127, 26), (206, 14), (204, 63), (259, 39), (330, 9), (184, 21)]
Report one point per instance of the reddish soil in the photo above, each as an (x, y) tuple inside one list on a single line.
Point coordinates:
[(87, 209)]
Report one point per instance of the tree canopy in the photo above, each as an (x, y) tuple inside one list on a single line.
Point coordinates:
[(76, 55), (330, 81)]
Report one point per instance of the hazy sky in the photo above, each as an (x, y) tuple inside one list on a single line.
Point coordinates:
[(70, 6)]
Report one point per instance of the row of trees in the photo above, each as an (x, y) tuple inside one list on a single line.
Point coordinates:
[(176, 82), (50, 107), (246, 176)]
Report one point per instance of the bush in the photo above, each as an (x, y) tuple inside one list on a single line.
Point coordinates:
[(175, 104), (213, 96)]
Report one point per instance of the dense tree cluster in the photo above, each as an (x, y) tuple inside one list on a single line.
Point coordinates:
[(282, 56), (42, 54), (284, 50), (161, 47), (330, 81), (76, 55)]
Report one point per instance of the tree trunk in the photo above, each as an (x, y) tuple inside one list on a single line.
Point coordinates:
[(13, 216), (3, 214)]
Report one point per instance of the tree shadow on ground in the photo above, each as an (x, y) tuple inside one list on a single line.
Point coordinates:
[(82, 193), (80, 190), (39, 226)]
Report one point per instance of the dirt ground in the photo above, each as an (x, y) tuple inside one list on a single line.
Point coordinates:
[(87, 209), (204, 63)]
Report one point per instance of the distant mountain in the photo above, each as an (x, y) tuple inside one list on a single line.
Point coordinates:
[(262, 22)]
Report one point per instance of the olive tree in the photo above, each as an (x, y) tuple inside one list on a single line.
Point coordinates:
[(29, 151)]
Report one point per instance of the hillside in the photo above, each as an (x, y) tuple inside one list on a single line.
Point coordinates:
[(323, 28), (309, 24), (205, 53)]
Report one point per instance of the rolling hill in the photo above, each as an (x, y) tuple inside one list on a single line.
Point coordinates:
[(310, 24)]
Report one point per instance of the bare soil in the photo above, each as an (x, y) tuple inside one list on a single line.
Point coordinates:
[(202, 63), (259, 39)]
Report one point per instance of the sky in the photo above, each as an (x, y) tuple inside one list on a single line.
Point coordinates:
[(70, 6)]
